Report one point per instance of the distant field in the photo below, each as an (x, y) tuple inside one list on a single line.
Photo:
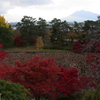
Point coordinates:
[(66, 59)]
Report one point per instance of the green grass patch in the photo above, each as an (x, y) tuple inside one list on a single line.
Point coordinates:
[(31, 49)]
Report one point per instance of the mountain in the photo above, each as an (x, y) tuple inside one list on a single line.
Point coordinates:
[(13, 23), (81, 16)]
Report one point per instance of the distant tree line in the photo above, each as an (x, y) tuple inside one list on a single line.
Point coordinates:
[(56, 30)]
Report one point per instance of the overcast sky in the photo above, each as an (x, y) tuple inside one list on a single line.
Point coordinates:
[(14, 10)]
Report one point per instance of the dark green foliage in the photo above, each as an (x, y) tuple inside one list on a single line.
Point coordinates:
[(89, 24), (12, 91), (6, 37), (75, 96), (60, 29), (77, 27), (58, 47), (58, 38), (92, 95), (42, 27), (83, 37), (27, 28)]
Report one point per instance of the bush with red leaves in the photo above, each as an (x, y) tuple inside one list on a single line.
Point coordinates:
[(80, 47), (17, 41), (3, 54), (94, 61), (70, 82), (0, 45), (32, 41), (97, 46)]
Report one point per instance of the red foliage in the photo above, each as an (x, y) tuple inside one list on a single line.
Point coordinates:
[(32, 41), (17, 41), (42, 76), (78, 46), (3, 54), (94, 61), (81, 46), (97, 46), (70, 82), (5, 71), (39, 75), (0, 45), (3, 65)]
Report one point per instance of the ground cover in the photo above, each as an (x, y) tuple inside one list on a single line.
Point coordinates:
[(66, 59)]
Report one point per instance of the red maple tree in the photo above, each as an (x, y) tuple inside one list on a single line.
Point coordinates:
[(70, 82), (3, 54), (39, 75), (94, 61)]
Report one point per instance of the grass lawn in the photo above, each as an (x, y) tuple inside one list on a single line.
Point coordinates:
[(28, 49)]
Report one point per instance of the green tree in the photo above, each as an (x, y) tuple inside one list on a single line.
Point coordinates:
[(6, 33), (78, 27), (65, 27), (56, 23), (60, 30), (92, 94), (6, 37), (28, 28), (83, 37), (89, 24), (42, 26), (12, 91)]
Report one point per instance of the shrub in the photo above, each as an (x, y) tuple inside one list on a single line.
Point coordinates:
[(3, 54), (75, 96), (32, 41), (97, 46), (78, 47), (39, 43), (6, 37), (70, 82), (92, 95), (94, 61), (18, 42), (86, 46), (12, 91)]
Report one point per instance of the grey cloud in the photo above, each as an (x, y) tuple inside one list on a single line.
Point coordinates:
[(28, 2), (35, 2), (9, 4)]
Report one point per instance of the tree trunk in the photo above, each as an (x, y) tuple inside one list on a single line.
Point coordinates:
[(37, 98)]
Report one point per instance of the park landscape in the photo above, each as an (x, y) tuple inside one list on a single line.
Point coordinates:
[(55, 63)]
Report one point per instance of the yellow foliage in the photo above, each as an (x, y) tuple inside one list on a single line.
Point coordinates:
[(3, 22), (39, 43), (72, 34)]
